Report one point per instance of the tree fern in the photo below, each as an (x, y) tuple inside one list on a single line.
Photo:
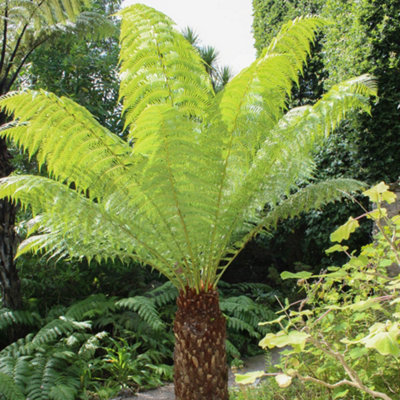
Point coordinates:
[(183, 194)]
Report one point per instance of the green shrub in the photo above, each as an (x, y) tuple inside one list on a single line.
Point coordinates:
[(345, 334)]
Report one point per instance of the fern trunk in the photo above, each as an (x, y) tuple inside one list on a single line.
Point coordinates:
[(9, 280), (201, 370)]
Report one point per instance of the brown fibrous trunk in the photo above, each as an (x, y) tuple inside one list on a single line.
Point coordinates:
[(200, 366), (10, 286)]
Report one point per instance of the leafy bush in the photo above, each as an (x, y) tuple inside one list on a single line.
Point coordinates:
[(344, 337)]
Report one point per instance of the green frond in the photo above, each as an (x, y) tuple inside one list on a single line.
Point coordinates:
[(231, 349), (295, 38), (93, 25), (254, 100), (90, 307), (311, 197), (9, 389), (146, 309), (246, 111), (41, 14), (241, 326), (164, 294), (67, 138), (12, 317), (159, 66), (91, 345), (58, 328), (52, 377)]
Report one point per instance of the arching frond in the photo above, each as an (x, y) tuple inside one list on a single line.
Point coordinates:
[(14, 317), (146, 309), (86, 229), (158, 66), (250, 106), (66, 138), (285, 157), (310, 197)]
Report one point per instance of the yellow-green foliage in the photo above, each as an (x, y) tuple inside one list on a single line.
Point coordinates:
[(345, 333), (197, 168)]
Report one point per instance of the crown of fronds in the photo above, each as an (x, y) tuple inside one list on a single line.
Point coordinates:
[(183, 194)]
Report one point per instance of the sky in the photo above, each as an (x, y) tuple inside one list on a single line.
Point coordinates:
[(223, 24)]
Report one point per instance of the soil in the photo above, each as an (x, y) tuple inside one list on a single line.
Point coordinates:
[(166, 392)]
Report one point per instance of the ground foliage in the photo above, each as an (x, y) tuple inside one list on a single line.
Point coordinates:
[(102, 344)]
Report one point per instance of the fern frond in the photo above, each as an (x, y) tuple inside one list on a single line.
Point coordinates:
[(90, 307), (12, 317), (58, 328), (248, 108), (239, 325), (67, 138), (9, 389), (231, 349), (93, 25), (164, 294), (52, 377), (159, 66), (83, 237), (90, 345), (146, 309), (313, 196)]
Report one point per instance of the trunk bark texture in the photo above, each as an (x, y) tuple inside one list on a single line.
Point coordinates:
[(9, 281), (200, 366)]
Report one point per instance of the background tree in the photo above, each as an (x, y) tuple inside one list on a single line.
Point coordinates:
[(84, 70), (205, 175), (219, 76), (24, 27)]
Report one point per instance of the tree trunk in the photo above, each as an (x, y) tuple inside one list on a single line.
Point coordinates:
[(201, 370), (9, 281)]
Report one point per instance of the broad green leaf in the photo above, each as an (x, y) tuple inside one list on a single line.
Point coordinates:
[(336, 247), (281, 339), (249, 378), (344, 231), (298, 275), (380, 192), (389, 197), (383, 338), (377, 214), (283, 380), (357, 352)]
